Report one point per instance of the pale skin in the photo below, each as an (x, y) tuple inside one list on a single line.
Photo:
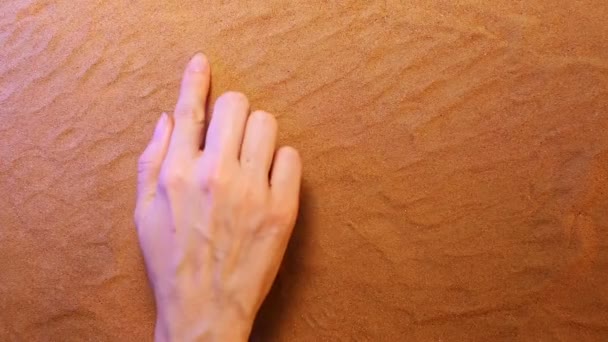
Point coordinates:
[(215, 210)]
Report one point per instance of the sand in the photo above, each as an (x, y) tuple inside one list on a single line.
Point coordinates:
[(456, 162)]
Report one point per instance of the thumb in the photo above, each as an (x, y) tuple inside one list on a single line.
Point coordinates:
[(150, 161)]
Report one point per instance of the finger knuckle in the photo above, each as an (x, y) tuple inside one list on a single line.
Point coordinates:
[(212, 179), (252, 198), (144, 161), (186, 109), (143, 157), (172, 179), (280, 215)]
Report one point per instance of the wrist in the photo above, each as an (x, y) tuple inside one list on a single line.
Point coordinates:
[(178, 328)]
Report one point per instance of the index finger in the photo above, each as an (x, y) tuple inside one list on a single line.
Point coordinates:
[(190, 109)]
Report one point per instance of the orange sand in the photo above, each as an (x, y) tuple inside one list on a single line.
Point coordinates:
[(456, 162)]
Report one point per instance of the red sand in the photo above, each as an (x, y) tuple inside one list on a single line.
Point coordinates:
[(456, 162)]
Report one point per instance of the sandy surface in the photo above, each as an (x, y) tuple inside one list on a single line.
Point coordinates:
[(456, 162)]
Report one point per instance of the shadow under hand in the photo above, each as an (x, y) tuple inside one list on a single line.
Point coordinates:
[(286, 286)]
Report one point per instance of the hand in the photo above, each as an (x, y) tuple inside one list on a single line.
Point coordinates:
[(213, 224)]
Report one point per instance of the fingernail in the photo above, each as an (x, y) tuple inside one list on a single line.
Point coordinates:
[(160, 126), (198, 63)]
